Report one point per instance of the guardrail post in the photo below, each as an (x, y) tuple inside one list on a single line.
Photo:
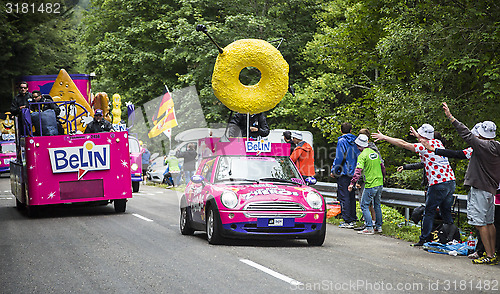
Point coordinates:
[(407, 215)]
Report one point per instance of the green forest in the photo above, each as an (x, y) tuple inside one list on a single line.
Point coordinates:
[(380, 64)]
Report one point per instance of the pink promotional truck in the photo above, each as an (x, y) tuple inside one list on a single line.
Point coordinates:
[(66, 169)]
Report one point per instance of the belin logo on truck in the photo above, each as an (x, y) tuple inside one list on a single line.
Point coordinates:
[(88, 157)]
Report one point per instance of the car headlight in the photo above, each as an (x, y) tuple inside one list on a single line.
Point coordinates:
[(314, 200), (134, 166), (229, 199)]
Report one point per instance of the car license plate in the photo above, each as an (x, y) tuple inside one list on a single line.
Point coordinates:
[(275, 222)]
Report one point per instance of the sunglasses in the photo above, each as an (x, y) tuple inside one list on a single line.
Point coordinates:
[(23, 87)]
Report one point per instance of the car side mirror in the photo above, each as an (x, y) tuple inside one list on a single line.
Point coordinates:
[(310, 181), (197, 179)]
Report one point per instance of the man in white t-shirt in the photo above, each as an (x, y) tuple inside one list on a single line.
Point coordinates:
[(439, 174)]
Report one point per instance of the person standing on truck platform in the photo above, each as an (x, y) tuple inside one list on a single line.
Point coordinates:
[(287, 136), (258, 125), (145, 160), (98, 125), (21, 99), (303, 155)]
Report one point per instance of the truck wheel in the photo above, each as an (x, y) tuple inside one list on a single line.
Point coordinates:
[(32, 211), (19, 205), (120, 205), (135, 187)]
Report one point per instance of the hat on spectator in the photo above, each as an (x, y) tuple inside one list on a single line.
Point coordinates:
[(98, 112), (362, 140), (426, 131), (475, 128), (171, 153), (487, 129), (297, 134)]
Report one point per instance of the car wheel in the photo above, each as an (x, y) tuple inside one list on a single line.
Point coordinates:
[(120, 205), (319, 239), (213, 226), (135, 187), (184, 222)]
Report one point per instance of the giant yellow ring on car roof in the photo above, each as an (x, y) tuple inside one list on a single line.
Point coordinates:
[(256, 98)]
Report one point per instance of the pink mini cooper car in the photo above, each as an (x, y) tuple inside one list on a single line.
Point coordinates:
[(251, 189)]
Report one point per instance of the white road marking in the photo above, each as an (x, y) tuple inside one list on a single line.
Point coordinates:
[(7, 198), (141, 217), (271, 272)]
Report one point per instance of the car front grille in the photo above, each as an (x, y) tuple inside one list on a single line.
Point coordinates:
[(274, 209)]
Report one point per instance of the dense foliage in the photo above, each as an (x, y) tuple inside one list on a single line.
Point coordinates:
[(380, 64)]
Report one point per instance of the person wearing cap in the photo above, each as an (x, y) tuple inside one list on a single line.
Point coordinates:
[(439, 175), (369, 163), (287, 136), (98, 125), (173, 170), (344, 164), (467, 154), (483, 176), (303, 155)]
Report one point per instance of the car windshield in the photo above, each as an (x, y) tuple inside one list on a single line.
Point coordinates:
[(133, 145), (259, 169), (8, 148)]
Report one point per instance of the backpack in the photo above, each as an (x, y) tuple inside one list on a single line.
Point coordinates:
[(445, 233)]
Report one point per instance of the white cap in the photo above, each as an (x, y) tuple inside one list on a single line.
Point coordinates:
[(171, 153), (487, 129), (426, 131), (475, 128), (297, 134), (362, 140)]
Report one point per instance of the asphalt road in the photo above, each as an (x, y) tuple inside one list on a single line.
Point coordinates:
[(94, 250)]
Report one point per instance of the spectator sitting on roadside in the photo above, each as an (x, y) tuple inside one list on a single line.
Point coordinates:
[(173, 168), (99, 124)]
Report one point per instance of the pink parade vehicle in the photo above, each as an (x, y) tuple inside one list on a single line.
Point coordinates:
[(135, 163), (74, 168), (251, 189), (7, 153)]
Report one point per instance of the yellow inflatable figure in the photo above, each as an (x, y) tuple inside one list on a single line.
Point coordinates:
[(117, 111), (7, 125), (64, 89), (257, 98), (101, 101)]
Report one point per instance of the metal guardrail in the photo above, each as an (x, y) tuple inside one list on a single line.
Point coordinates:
[(393, 197)]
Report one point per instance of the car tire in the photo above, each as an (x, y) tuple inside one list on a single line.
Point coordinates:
[(184, 222), (135, 187), (120, 205), (319, 239), (213, 226)]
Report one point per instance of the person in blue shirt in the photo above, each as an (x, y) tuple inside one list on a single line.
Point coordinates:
[(343, 168), (145, 160)]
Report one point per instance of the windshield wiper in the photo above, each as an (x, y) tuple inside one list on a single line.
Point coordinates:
[(279, 181), (238, 180)]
